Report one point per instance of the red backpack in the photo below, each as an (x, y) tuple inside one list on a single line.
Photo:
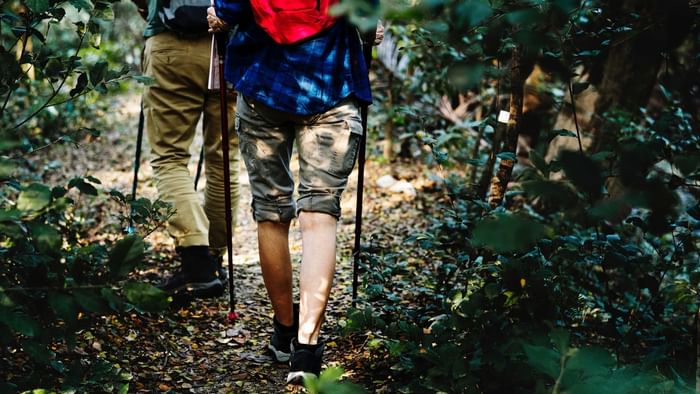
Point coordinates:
[(290, 21)]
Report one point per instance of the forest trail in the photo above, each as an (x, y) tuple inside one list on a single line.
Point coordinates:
[(195, 348)]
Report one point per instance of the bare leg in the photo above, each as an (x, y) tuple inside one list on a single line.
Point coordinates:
[(317, 270), (276, 265)]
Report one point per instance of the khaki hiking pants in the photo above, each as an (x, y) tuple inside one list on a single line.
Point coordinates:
[(172, 108)]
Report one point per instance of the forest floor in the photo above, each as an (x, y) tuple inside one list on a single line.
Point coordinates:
[(193, 348)]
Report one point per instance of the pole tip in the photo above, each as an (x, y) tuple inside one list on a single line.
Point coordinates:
[(232, 316)]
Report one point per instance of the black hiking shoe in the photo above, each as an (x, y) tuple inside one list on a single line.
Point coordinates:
[(282, 336), (197, 276), (304, 362)]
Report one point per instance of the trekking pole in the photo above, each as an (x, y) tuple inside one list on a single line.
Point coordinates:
[(137, 164), (356, 253), (199, 167), (221, 39)]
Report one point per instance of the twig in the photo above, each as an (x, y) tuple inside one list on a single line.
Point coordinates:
[(65, 78)]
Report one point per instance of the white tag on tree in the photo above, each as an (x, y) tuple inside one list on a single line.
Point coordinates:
[(503, 116)]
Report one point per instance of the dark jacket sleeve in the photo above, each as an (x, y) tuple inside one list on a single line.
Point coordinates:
[(234, 12)]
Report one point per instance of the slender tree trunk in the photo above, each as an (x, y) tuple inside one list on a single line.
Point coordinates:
[(389, 125), (499, 182)]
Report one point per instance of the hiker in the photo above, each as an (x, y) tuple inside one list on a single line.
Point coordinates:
[(309, 91), (177, 57)]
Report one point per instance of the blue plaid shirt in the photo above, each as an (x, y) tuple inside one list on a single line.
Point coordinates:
[(306, 78)]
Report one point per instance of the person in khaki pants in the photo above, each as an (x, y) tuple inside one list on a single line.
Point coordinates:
[(172, 107)]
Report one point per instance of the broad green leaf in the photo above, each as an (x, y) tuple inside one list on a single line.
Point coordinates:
[(10, 215), (539, 162), (115, 302), (84, 187), (144, 80), (582, 171), (97, 73), (19, 322), (64, 306), (37, 6), (146, 297), (38, 352), (543, 359), (592, 361), (560, 338), (34, 197), (473, 12), (47, 240), (556, 193), (687, 164), (507, 156), (91, 301), (7, 168), (80, 4), (80, 85), (126, 254), (507, 233)]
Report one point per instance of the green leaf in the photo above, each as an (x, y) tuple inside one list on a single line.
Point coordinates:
[(80, 85), (687, 164), (64, 306), (507, 156), (38, 352), (507, 233), (80, 4), (592, 361), (560, 338), (583, 172), (90, 301), (145, 80), (97, 73), (559, 194), (7, 168), (84, 187), (543, 359), (47, 240), (19, 322), (473, 12), (539, 163), (34, 197), (114, 301), (146, 297), (10, 215), (126, 254), (37, 6)]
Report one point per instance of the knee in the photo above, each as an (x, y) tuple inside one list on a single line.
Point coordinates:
[(314, 220)]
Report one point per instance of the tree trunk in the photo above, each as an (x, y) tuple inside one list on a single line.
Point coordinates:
[(499, 183), (389, 125)]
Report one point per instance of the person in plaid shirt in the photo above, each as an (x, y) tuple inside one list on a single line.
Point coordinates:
[(311, 92)]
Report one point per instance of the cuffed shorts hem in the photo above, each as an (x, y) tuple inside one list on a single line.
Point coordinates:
[(279, 211), (328, 203)]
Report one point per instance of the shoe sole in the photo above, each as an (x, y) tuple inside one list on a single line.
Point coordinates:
[(210, 289), (279, 355), (298, 377)]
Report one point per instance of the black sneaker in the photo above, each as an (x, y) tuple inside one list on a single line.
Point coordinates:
[(282, 336), (197, 276), (304, 362)]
